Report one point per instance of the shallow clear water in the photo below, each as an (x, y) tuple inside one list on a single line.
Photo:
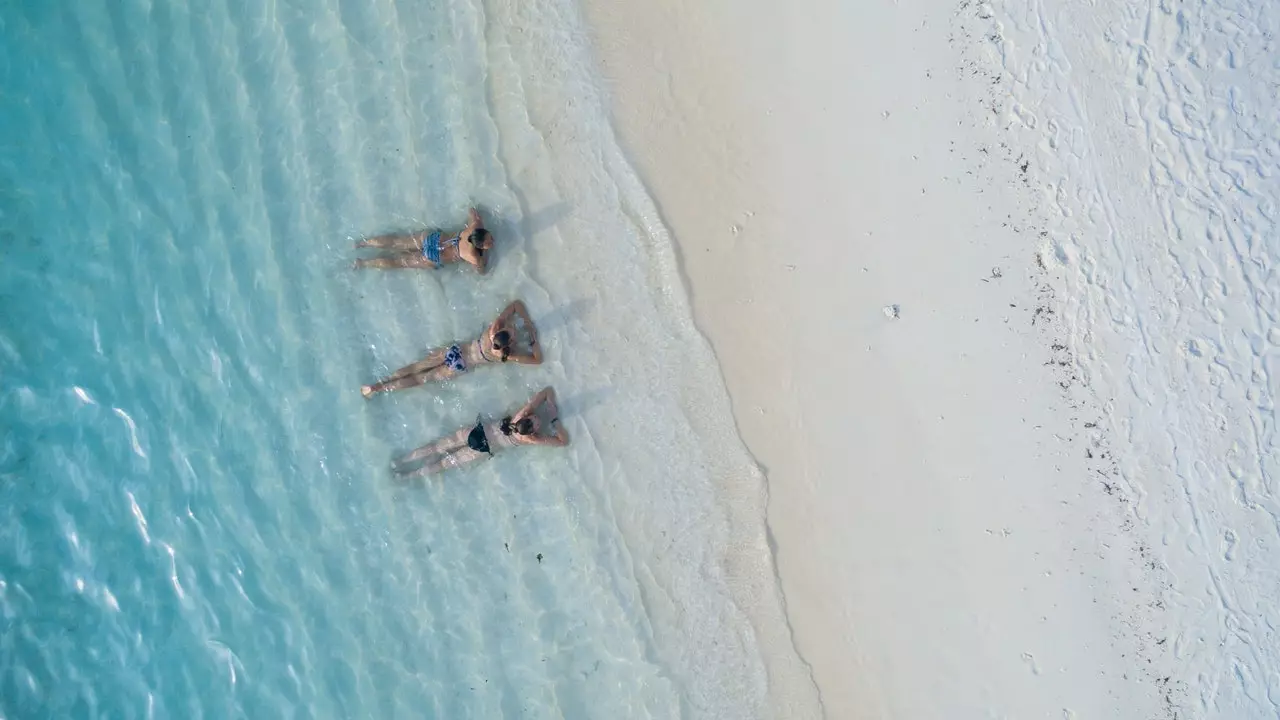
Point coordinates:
[(195, 514)]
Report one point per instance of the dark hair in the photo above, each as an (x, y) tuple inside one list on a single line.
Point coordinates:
[(502, 343), (477, 237), (523, 426)]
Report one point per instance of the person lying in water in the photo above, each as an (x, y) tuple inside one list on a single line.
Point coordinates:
[(481, 440), (430, 248), (498, 344)]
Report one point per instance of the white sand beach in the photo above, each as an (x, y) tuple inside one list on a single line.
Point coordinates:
[(879, 242)]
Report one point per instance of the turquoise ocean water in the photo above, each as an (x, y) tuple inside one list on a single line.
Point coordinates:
[(196, 519)]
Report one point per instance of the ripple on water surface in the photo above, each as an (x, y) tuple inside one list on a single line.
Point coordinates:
[(197, 517)]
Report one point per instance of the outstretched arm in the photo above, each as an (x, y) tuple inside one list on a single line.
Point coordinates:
[(475, 221)]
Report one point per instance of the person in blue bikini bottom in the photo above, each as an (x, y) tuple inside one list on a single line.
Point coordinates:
[(512, 337), (430, 248)]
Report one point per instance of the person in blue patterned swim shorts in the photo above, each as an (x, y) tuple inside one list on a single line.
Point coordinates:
[(431, 248)]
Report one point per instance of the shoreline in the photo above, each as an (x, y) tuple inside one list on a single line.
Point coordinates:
[(863, 271)]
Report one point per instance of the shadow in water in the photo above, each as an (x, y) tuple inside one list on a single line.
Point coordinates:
[(559, 317), (578, 403), (544, 219)]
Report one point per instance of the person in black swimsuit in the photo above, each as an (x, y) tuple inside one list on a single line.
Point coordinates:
[(479, 441)]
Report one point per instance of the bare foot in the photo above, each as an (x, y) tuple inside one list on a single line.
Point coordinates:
[(357, 264)]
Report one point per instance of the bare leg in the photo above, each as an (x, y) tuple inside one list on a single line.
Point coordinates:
[(404, 469), (394, 241), (426, 451), (455, 459), (435, 374), (434, 359), (393, 383), (443, 446), (403, 383), (412, 259)]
